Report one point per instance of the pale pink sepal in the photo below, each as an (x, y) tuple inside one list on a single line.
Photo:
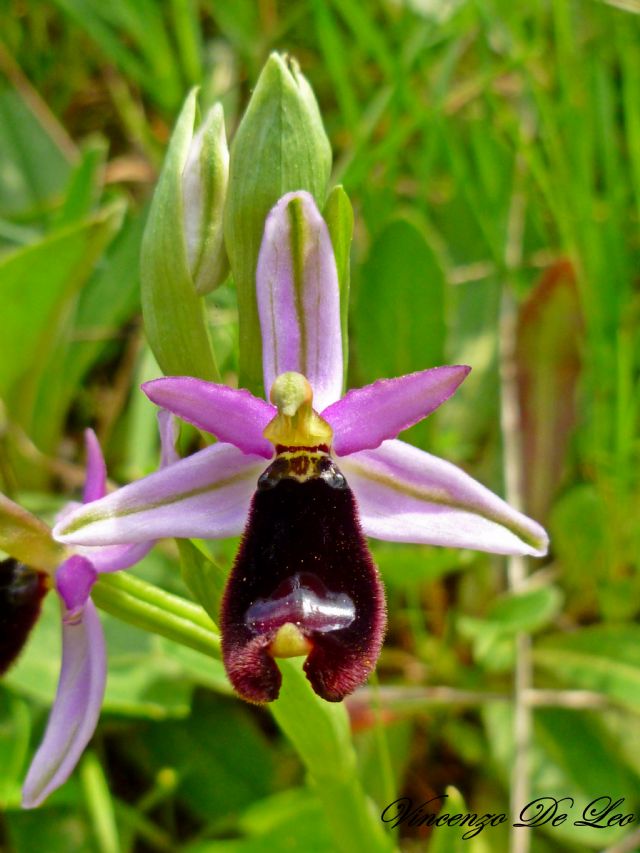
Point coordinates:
[(206, 495), (406, 495)]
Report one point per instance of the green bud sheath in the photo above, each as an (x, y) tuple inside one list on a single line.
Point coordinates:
[(26, 538), (204, 189), (280, 146), (173, 310)]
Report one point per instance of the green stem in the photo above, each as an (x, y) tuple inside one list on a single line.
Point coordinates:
[(152, 609), (318, 730), (320, 733)]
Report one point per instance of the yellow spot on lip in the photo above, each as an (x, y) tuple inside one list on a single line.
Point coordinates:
[(289, 642)]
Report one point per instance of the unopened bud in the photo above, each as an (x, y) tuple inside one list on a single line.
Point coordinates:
[(280, 146), (204, 188), (182, 250)]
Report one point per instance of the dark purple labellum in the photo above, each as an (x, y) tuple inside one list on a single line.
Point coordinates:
[(21, 592), (303, 566)]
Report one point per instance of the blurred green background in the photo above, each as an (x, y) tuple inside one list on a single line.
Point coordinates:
[(491, 151)]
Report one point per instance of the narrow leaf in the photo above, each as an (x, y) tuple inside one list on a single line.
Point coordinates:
[(399, 321), (548, 366), (604, 658), (338, 214)]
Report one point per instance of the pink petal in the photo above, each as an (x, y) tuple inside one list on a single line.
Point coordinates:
[(95, 485), (406, 495), (76, 709), (74, 579), (365, 417), (113, 558), (233, 415), (298, 298), (168, 428), (206, 495)]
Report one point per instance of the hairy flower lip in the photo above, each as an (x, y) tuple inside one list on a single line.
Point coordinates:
[(303, 536)]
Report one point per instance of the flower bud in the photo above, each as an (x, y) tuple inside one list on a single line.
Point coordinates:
[(182, 249), (204, 187), (280, 146)]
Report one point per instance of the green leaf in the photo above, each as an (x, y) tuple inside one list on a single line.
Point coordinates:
[(197, 668), (99, 803), (338, 214), (50, 829), (548, 346), (153, 609), (288, 820), (493, 636), (604, 658), (399, 322), (571, 756), (400, 318), (280, 146), (85, 184), (449, 839), (142, 681), (525, 611), (105, 303), (222, 758), (202, 576), (135, 38), (15, 728), (35, 167), (40, 283)]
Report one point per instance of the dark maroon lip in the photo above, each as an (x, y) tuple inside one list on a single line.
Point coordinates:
[(303, 561), (21, 592)]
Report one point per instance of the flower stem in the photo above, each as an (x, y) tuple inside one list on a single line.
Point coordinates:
[(318, 730), (320, 733), (152, 609)]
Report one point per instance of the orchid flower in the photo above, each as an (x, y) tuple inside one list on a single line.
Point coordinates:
[(304, 582), (83, 671)]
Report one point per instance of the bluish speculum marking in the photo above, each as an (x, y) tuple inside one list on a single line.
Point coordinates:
[(302, 600)]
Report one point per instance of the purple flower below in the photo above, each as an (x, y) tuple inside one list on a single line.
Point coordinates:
[(83, 672), (393, 491)]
